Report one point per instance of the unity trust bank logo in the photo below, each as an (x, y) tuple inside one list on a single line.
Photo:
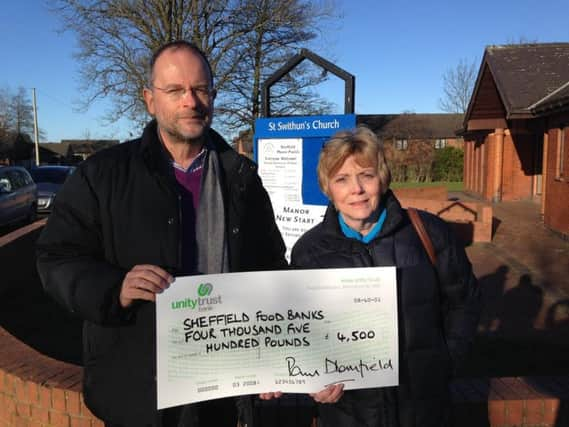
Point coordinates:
[(203, 299)]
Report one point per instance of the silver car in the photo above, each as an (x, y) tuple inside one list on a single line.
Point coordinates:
[(18, 195), (49, 180)]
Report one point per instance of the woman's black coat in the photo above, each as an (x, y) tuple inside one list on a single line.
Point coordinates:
[(438, 313)]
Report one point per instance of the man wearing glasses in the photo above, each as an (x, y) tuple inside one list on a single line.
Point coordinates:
[(176, 201)]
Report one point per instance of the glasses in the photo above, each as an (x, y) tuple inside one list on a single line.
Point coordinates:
[(176, 93)]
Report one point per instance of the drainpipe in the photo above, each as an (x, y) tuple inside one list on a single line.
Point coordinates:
[(499, 165)]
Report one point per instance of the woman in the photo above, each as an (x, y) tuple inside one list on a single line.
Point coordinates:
[(438, 305)]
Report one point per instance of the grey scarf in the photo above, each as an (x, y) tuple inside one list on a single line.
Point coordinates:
[(211, 240)]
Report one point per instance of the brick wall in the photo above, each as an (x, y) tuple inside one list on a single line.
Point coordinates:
[(517, 172), (455, 142), (511, 402), (486, 156), (472, 222), (518, 168), (434, 193), (479, 164), (37, 391), (556, 206)]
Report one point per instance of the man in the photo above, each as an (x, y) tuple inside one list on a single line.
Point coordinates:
[(174, 202)]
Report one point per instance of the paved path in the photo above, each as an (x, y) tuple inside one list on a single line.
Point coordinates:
[(524, 277)]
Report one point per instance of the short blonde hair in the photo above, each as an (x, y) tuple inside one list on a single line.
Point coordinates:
[(360, 142)]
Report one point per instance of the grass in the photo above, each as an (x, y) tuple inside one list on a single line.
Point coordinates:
[(451, 186)]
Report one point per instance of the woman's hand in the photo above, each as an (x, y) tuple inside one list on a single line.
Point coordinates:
[(270, 395), (330, 394)]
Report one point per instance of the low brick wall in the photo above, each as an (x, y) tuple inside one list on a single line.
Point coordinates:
[(472, 221), (432, 193), (38, 391), (511, 401)]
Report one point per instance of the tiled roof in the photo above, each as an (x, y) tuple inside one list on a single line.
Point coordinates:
[(527, 73), (87, 146), (55, 147), (411, 125)]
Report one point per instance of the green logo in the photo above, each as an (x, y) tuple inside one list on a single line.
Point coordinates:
[(204, 289), (204, 299)]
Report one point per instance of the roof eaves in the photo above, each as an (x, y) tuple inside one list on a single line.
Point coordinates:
[(544, 100), (522, 113), (557, 105)]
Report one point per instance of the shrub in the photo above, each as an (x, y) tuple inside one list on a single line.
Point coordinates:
[(448, 164)]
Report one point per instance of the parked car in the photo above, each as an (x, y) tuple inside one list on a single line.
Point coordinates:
[(49, 180), (18, 195)]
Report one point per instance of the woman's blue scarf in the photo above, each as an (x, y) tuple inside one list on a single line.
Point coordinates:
[(353, 234)]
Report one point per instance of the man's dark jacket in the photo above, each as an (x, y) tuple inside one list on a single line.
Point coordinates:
[(438, 311), (119, 209)]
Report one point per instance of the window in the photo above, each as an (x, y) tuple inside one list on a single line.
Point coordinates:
[(401, 144), (54, 176), (17, 179), (440, 143), (560, 164), (28, 179)]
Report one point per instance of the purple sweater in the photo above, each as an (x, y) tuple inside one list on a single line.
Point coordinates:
[(189, 186)]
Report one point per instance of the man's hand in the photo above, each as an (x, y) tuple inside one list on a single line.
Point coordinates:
[(144, 282), (330, 394)]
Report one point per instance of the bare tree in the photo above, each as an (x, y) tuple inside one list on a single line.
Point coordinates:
[(117, 38), (21, 113), (294, 94), (86, 134), (16, 124), (4, 128), (279, 29), (522, 39), (16, 113), (458, 84), (4, 111)]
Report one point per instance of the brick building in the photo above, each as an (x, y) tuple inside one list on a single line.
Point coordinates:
[(516, 129), (411, 140), (437, 130), (243, 143), (73, 151)]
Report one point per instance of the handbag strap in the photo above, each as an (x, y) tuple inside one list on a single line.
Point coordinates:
[(423, 235)]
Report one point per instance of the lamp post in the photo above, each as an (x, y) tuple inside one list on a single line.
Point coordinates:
[(36, 129)]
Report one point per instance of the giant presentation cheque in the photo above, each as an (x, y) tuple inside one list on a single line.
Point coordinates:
[(292, 331)]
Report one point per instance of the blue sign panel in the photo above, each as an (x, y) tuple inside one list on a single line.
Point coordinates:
[(314, 132), (311, 194), (303, 126)]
